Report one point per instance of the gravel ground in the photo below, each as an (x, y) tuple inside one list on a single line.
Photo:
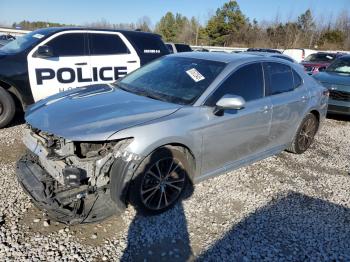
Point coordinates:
[(285, 208)]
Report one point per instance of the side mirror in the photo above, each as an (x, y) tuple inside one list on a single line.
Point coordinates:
[(229, 102), (44, 51)]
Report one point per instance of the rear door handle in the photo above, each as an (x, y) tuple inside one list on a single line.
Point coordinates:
[(132, 61), (81, 64)]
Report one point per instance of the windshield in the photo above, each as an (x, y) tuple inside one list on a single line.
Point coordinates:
[(23, 42), (173, 79), (341, 65), (320, 58)]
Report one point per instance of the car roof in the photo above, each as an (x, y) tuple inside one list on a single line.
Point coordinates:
[(347, 56), (61, 29), (223, 57)]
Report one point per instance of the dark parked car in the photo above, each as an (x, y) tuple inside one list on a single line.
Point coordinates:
[(337, 79), (178, 48), (5, 39), (314, 62), (269, 50)]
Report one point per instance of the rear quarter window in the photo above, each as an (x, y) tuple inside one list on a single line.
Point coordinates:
[(298, 81)]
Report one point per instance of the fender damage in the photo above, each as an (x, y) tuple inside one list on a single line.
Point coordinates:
[(76, 182)]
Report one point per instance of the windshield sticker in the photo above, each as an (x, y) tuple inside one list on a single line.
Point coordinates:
[(195, 75), (39, 36)]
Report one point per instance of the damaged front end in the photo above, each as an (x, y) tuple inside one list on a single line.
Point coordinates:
[(71, 181)]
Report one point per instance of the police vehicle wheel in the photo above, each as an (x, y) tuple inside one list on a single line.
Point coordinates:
[(7, 108)]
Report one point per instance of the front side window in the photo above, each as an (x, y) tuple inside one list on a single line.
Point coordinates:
[(246, 82), (70, 44), (173, 79), (279, 78), (107, 44)]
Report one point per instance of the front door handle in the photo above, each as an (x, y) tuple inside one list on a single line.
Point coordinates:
[(81, 64), (264, 109), (304, 98)]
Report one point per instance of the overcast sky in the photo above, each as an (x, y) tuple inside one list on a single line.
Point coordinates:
[(114, 11)]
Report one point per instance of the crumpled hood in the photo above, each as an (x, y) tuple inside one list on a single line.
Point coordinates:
[(333, 78), (94, 113)]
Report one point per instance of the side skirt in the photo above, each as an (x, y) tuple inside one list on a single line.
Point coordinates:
[(240, 163)]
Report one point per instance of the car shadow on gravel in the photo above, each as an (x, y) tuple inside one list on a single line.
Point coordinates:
[(292, 227), (162, 237)]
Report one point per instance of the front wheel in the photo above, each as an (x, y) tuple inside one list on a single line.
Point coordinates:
[(160, 181), (305, 134), (7, 108)]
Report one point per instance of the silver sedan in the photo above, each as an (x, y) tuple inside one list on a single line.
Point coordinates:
[(172, 123)]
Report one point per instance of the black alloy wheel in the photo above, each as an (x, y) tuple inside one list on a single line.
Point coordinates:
[(162, 184)]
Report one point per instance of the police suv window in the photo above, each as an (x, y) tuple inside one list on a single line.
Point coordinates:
[(147, 43), (70, 44), (279, 78), (246, 82), (107, 44)]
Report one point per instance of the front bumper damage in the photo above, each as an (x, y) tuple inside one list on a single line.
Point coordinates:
[(69, 189)]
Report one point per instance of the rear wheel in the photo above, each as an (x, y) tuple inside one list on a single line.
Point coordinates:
[(7, 108), (305, 134), (160, 181)]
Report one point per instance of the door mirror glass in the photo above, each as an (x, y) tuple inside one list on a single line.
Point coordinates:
[(230, 102), (44, 51)]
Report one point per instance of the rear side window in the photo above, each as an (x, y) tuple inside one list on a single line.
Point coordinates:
[(71, 44), (279, 78), (107, 44), (246, 82), (183, 48)]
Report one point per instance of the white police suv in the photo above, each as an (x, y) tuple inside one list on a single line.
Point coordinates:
[(52, 60)]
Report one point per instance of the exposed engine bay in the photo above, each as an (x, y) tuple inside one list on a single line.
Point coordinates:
[(71, 181)]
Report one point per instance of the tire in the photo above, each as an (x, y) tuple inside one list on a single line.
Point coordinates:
[(304, 135), (7, 108), (152, 192)]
